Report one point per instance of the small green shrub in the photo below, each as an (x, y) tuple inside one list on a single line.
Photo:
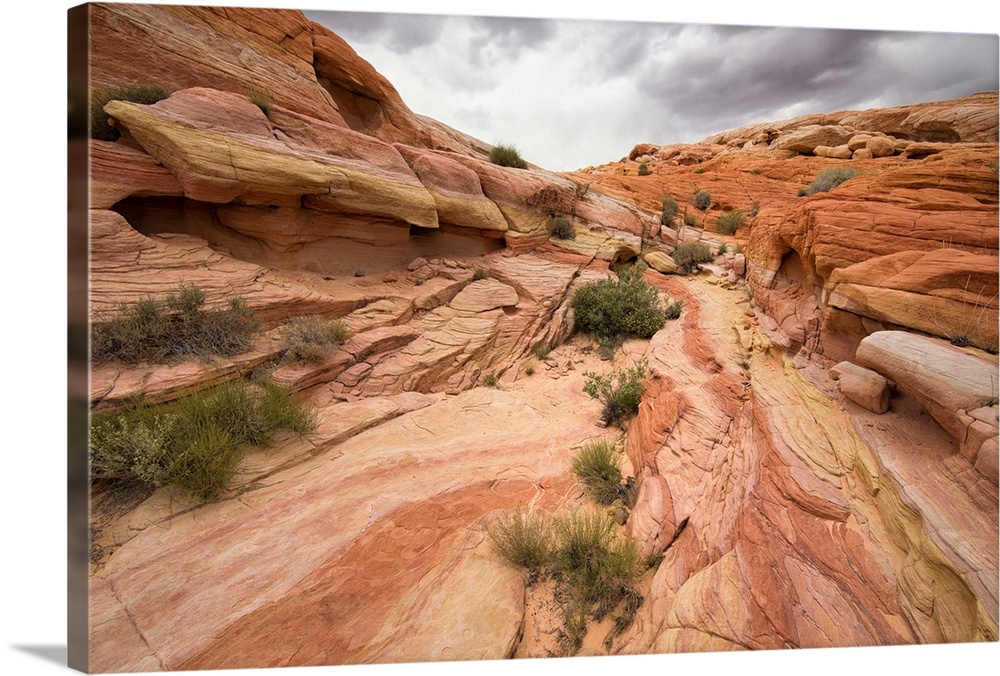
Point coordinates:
[(723, 248), (490, 380), (261, 98), (673, 310), (690, 254), (311, 339), (480, 273), (541, 350), (562, 228), (523, 541), (729, 222), (507, 156), (196, 443), (596, 466), (143, 93), (754, 210), (758, 171), (626, 306), (828, 179), (738, 248), (702, 199), (529, 370), (157, 331), (619, 391), (644, 170), (699, 170), (690, 220), (670, 209), (802, 192)]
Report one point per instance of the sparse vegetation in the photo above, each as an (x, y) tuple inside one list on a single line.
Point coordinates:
[(690, 254), (828, 179), (754, 210), (723, 248), (644, 170), (529, 370), (729, 222), (480, 273), (561, 228), (758, 171), (702, 200), (194, 444), (626, 306), (311, 339), (670, 209), (673, 310), (138, 93), (541, 350), (507, 156), (261, 98), (490, 380), (699, 170), (596, 568), (619, 391), (690, 220), (596, 466), (156, 331)]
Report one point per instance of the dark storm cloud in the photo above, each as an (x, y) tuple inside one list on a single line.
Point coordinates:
[(402, 33)]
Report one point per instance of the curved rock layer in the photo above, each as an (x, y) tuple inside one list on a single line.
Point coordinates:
[(787, 514)]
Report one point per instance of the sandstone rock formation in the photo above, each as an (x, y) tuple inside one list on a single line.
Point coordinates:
[(785, 516)]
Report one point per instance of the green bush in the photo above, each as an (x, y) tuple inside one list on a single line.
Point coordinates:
[(142, 93), (490, 380), (729, 222), (644, 170), (596, 466), (194, 444), (670, 209), (261, 98), (673, 310), (618, 391), (723, 248), (700, 170), (541, 349), (690, 254), (626, 306), (507, 156), (480, 273), (690, 220), (754, 209), (311, 339), (828, 179), (523, 541), (561, 228), (702, 199), (157, 331)]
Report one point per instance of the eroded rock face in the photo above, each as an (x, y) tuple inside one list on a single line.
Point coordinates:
[(786, 517)]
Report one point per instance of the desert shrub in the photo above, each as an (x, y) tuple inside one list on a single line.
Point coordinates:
[(541, 349), (700, 170), (156, 331), (490, 380), (311, 339), (723, 248), (529, 370), (562, 228), (140, 93), (738, 248), (729, 222), (670, 209), (480, 273), (828, 179), (690, 220), (644, 170), (507, 156), (618, 391), (598, 566), (702, 199), (690, 254), (673, 311), (626, 306), (261, 98), (196, 443), (522, 540), (754, 210), (758, 171), (596, 466)]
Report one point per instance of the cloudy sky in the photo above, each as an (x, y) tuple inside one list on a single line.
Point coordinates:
[(576, 92)]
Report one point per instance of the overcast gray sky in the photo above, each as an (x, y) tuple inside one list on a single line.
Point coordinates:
[(573, 92)]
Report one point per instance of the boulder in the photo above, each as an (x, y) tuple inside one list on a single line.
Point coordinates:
[(862, 386), (880, 146), (661, 262), (842, 152)]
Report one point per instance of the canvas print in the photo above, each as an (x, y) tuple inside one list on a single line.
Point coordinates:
[(417, 338)]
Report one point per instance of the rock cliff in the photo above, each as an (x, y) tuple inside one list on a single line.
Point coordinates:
[(787, 513)]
